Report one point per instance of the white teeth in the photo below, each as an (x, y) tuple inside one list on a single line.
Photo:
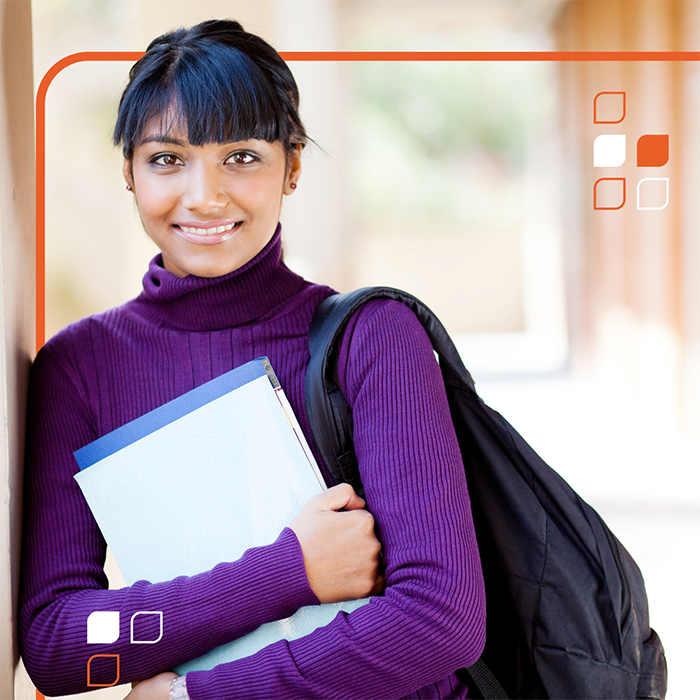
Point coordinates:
[(208, 231)]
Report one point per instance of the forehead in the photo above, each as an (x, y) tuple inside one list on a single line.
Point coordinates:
[(168, 126)]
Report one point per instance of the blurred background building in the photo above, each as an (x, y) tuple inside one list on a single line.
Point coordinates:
[(470, 184)]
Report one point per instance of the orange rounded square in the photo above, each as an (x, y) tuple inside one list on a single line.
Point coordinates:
[(609, 193), (652, 150), (102, 671), (609, 107)]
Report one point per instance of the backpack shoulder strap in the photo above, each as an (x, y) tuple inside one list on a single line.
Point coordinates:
[(329, 416), (334, 312)]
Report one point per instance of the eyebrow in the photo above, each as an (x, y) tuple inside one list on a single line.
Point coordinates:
[(162, 138)]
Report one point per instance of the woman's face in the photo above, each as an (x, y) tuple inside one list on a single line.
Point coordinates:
[(212, 208)]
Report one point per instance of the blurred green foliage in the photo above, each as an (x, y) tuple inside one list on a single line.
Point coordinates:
[(447, 142)]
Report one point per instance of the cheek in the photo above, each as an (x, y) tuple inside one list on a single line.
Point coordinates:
[(263, 197), (154, 202)]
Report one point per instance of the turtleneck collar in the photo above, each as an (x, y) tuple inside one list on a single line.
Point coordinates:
[(211, 303)]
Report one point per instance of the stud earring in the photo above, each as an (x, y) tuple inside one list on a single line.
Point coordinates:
[(129, 188), (293, 185)]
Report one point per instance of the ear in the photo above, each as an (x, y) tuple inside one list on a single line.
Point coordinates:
[(293, 169), (128, 175)]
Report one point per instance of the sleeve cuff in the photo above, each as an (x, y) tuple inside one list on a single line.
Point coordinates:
[(295, 578)]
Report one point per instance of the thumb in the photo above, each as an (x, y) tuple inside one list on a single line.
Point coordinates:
[(338, 497)]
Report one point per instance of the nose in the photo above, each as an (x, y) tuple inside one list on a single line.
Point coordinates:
[(205, 189)]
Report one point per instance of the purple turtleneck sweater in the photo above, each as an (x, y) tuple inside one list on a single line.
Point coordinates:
[(108, 369)]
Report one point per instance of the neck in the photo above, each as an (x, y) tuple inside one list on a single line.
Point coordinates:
[(211, 303)]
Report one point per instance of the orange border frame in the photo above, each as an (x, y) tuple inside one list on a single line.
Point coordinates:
[(287, 56)]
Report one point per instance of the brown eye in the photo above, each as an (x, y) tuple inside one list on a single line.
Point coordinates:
[(241, 158), (166, 159)]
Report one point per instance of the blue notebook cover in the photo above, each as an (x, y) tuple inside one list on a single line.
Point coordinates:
[(198, 481)]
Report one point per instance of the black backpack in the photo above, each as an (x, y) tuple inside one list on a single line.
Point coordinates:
[(567, 609)]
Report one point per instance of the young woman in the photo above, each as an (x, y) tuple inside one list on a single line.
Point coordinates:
[(212, 142)]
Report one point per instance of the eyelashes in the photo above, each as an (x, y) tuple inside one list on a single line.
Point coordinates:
[(237, 158), (243, 158), (161, 158)]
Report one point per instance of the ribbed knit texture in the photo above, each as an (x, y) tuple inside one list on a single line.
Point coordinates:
[(106, 370)]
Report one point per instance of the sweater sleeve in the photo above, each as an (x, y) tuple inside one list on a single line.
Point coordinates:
[(431, 619), (63, 581)]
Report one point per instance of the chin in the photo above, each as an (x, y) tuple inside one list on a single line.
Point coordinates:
[(214, 269)]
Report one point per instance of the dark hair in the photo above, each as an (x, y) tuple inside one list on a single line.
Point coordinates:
[(217, 82)]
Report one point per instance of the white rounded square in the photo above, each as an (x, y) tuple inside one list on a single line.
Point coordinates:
[(150, 613), (103, 627), (609, 150), (648, 198)]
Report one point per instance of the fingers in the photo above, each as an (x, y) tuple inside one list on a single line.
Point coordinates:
[(339, 497), (340, 549)]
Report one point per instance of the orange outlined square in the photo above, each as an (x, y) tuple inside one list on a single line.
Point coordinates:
[(613, 105), (652, 150), (607, 196), (102, 685)]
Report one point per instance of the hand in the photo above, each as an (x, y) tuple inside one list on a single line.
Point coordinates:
[(156, 688), (341, 551)]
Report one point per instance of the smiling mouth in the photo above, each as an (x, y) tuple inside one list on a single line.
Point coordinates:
[(209, 231)]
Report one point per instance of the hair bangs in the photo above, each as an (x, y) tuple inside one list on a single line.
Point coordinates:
[(210, 94), (148, 102), (223, 97)]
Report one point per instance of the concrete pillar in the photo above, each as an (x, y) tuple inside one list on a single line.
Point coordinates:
[(690, 227), (626, 266), (17, 308), (316, 223)]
